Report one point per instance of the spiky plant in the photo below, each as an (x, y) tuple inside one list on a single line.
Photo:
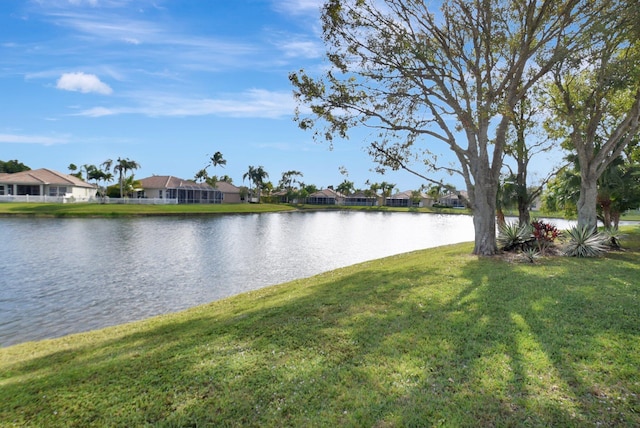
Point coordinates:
[(612, 238), (585, 242), (530, 254), (512, 236)]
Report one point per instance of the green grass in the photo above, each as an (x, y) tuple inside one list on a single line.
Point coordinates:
[(116, 210), (429, 338)]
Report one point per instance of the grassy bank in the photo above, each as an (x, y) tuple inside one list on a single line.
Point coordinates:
[(430, 338), (114, 210)]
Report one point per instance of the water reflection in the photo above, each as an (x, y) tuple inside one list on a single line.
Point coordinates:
[(60, 276)]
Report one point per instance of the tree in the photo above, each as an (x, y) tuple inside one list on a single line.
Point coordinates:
[(452, 76), (73, 168), (257, 177), (217, 159), (201, 176), (289, 178), (122, 167), (98, 175), (13, 166), (514, 188), (595, 99), (130, 185), (346, 187)]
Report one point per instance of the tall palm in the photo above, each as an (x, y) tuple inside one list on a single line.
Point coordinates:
[(257, 176), (217, 159), (122, 167)]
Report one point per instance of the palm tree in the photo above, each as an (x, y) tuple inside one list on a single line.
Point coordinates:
[(288, 180), (122, 167), (201, 176), (217, 159), (257, 177), (98, 175)]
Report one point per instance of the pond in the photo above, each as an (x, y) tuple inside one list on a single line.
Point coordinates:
[(62, 276)]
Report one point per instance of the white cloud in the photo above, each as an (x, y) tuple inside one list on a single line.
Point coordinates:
[(32, 139), (84, 83), (297, 7), (257, 103)]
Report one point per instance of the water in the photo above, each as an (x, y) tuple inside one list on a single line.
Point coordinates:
[(61, 276)]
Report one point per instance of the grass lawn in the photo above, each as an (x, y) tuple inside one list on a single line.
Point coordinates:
[(116, 210), (429, 338)]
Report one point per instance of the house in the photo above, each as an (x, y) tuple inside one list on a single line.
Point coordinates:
[(409, 198), (453, 200), (230, 193), (45, 185), (326, 197), (360, 199), (184, 191)]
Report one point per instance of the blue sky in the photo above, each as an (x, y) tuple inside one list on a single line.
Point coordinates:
[(167, 83)]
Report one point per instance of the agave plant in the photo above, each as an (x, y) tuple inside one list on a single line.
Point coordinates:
[(585, 242), (512, 236), (612, 238)]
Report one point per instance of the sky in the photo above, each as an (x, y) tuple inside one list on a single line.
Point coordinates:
[(167, 83)]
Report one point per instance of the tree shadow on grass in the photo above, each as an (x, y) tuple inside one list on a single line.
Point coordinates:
[(407, 345)]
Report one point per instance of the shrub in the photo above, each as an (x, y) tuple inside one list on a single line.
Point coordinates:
[(513, 236), (612, 238), (585, 242), (544, 233)]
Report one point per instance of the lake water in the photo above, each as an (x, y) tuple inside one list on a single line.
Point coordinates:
[(61, 276)]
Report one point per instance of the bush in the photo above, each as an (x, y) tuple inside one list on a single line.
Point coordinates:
[(512, 236), (585, 242), (545, 234)]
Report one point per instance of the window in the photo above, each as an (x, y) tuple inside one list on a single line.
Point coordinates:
[(57, 190), (160, 193), (1, 190)]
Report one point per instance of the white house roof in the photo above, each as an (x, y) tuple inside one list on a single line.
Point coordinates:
[(44, 176)]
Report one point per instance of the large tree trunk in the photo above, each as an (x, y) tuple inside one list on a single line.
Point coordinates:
[(484, 218), (587, 209)]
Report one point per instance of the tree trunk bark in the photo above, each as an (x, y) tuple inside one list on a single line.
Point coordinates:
[(484, 219), (524, 216), (587, 209)]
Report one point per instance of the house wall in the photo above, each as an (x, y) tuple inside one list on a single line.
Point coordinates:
[(231, 198)]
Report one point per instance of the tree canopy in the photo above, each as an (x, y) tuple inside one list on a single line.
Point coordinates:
[(13, 166), (422, 77)]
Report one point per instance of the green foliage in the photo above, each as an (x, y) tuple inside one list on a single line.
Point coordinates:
[(513, 236), (13, 166), (585, 242), (544, 234)]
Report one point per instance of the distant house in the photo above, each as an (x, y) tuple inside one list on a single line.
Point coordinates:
[(44, 185), (409, 198), (360, 199), (453, 200), (230, 193), (326, 197), (184, 191)]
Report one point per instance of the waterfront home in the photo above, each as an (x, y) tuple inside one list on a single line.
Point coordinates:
[(174, 188), (326, 197), (453, 199), (44, 185), (361, 199), (230, 193), (409, 198)]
